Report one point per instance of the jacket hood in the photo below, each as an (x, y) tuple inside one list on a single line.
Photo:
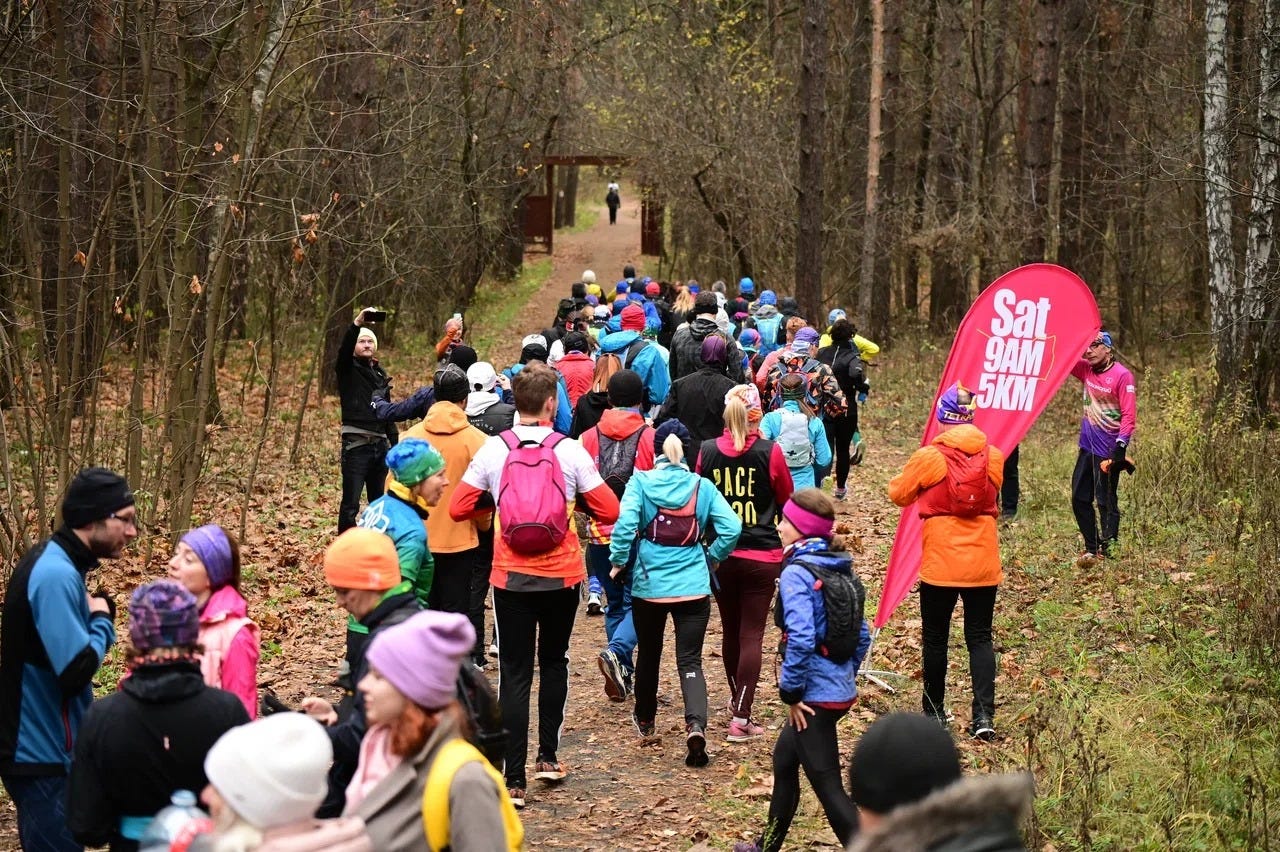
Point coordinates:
[(446, 418), (618, 423), (764, 311), (703, 326), (164, 683), (833, 560), (967, 438), (669, 486), (222, 604), (985, 806), (616, 341), (575, 356), (479, 401), (725, 443)]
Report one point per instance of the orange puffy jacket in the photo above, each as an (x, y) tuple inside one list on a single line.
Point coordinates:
[(954, 551)]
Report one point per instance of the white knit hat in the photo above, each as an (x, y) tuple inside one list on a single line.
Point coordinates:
[(273, 771), (588, 277)]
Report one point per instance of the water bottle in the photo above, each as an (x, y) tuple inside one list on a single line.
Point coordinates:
[(173, 829)]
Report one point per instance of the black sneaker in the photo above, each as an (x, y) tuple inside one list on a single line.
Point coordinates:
[(982, 729), (645, 729), (697, 745)]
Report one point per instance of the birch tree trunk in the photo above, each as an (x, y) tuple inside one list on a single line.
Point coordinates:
[(1217, 167), (1260, 279)]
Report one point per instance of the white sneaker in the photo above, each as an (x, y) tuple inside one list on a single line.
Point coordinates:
[(493, 650), (593, 604)]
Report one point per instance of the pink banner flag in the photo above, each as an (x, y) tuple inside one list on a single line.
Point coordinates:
[(1014, 349)]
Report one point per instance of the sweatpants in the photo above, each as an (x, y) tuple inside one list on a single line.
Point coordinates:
[(1090, 485), (690, 619), (839, 433), (41, 802), (936, 605), (533, 625), (745, 591), (816, 749)]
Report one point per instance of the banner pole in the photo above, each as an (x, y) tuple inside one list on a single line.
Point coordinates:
[(877, 676)]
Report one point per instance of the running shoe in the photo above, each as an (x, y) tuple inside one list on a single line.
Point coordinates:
[(593, 604), (839, 493), (550, 771), (516, 794), (615, 676), (696, 743), (982, 729), (645, 729), (742, 733)]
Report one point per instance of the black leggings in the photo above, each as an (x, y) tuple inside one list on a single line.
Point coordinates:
[(936, 605), (816, 749), (650, 620), (1090, 485), (839, 434)]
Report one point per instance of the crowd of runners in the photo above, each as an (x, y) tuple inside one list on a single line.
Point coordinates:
[(656, 450)]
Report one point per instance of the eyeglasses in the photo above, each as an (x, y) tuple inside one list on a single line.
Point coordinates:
[(127, 520), (1097, 343)]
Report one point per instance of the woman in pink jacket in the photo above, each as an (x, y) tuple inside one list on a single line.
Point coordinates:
[(207, 563)]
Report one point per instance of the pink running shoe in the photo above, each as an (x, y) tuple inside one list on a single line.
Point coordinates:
[(739, 733)]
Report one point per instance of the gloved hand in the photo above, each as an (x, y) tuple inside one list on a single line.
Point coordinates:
[(381, 394), (862, 397), (1117, 455)]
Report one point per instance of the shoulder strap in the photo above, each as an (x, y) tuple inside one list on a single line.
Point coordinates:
[(453, 755), (551, 440), (509, 438), (633, 350)]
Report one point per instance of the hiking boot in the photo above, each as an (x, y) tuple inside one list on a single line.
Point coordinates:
[(593, 604), (1086, 561), (550, 771), (982, 729), (839, 493), (696, 742), (615, 676), (743, 732), (645, 729), (516, 794)]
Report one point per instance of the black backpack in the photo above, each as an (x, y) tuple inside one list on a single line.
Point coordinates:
[(618, 460), (484, 715), (844, 599)]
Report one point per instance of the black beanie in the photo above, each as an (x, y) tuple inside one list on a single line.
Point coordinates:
[(451, 384), (93, 495), (463, 356), (626, 390), (901, 758), (575, 341)]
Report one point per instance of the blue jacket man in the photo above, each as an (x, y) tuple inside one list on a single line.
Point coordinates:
[(644, 360), (52, 641)]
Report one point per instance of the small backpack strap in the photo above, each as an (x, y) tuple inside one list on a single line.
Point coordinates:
[(509, 438)]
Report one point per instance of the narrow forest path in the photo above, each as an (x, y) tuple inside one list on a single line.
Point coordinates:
[(623, 793)]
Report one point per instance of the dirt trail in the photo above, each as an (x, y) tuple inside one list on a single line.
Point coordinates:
[(603, 248)]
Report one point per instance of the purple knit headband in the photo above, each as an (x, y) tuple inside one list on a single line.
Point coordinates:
[(807, 523), (214, 550)]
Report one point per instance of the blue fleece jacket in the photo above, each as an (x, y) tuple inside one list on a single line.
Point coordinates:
[(662, 571), (807, 675), (647, 363)]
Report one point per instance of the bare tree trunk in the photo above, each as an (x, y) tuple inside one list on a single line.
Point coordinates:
[(911, 293), (1217, 165), (812, 128), (1260, 295), (873, 311), (1037, 158)]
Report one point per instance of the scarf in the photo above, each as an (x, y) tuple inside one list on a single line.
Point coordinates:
[(376, 763)]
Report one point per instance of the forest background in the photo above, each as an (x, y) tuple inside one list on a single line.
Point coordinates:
[(195, 195)]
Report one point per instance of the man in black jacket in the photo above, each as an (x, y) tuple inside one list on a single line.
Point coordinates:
[(686, 344), (362, 567), (697, 400), (365, 438), (140, 744)]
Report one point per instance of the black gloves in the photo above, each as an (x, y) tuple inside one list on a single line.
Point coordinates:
[(1118, 456)]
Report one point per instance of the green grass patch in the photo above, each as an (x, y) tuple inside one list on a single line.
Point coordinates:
[(585, 217), (497, 305)]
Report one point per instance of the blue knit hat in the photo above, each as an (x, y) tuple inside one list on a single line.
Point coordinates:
[(746, 285), (768, 297), (413, 460)]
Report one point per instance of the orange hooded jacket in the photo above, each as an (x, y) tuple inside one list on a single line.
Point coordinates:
[(955, 551)]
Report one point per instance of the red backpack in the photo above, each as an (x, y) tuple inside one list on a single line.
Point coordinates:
[(968, 489), (532, 503)]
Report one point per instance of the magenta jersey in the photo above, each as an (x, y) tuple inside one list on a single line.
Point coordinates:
[(1110, 407)]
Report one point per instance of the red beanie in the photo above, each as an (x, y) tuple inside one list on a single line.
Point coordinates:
[(633, 318)]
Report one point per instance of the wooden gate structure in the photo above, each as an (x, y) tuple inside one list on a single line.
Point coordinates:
[(538, 211)]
